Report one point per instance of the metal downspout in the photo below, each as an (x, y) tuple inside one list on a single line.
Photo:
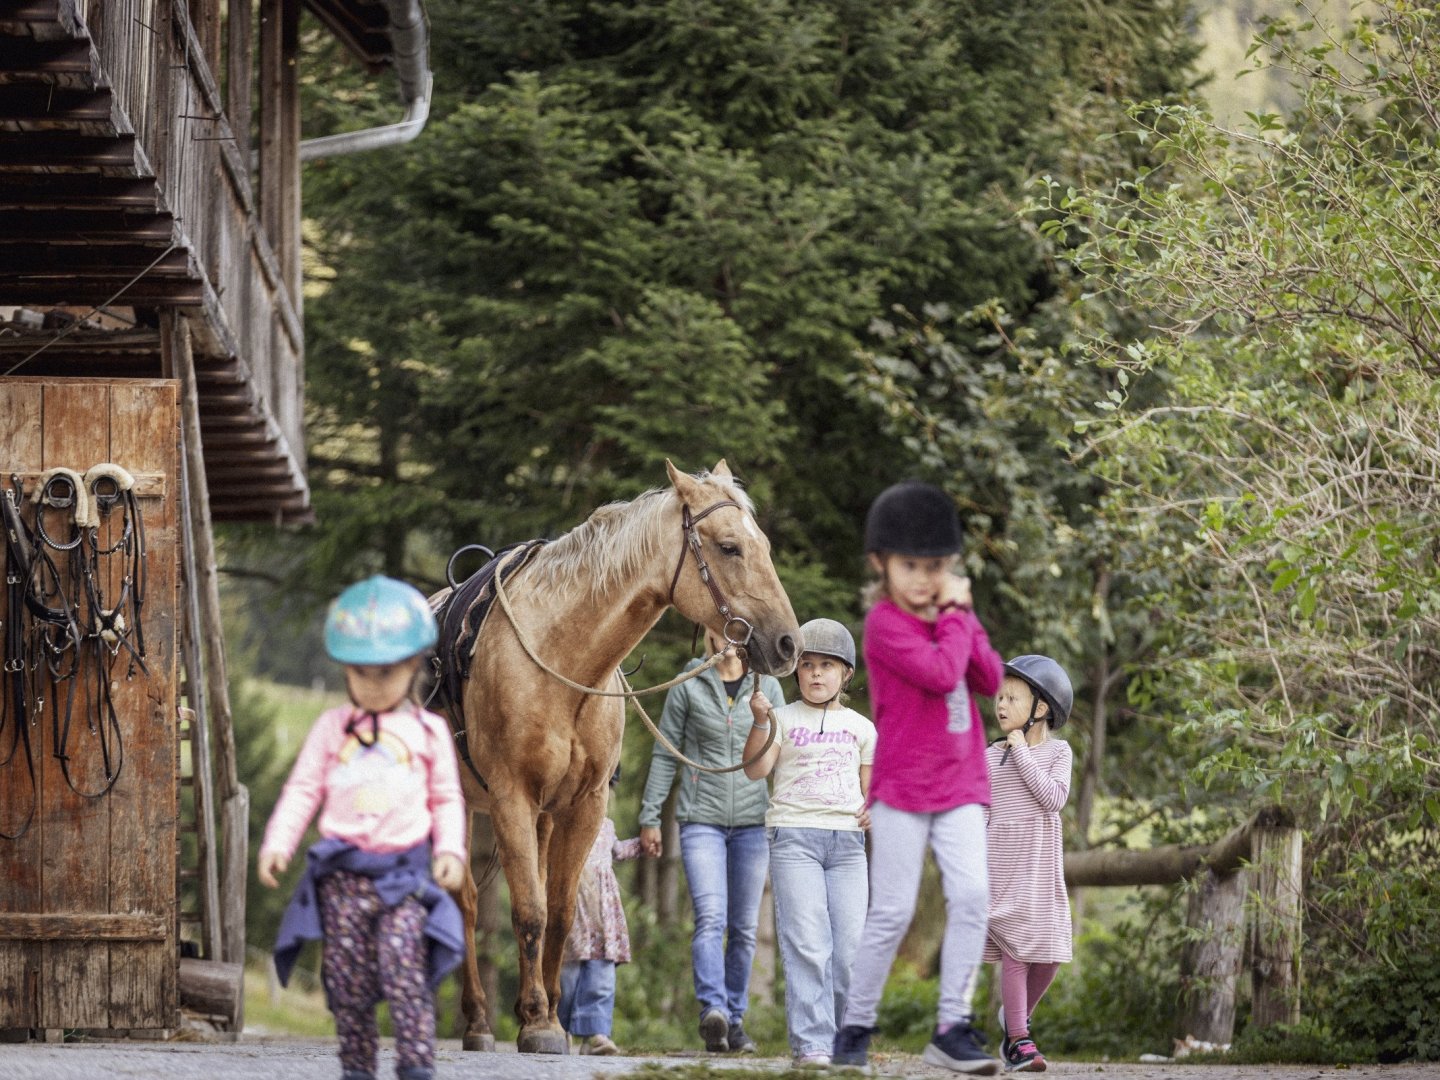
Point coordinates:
[(410, 39)]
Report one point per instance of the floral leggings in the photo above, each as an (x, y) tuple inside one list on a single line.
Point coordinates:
[(373, 951)]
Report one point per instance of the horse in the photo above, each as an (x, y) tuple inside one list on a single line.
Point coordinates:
[(545, 748)]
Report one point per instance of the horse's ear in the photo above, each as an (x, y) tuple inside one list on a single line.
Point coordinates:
[(683, 483), (721, 470)]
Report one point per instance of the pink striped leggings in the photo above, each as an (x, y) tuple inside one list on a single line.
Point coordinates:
[(1022, 986)]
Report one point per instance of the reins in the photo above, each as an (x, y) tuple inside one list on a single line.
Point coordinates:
[(692, 545)]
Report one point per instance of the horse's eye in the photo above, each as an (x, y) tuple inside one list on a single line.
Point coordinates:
[(727, 548)]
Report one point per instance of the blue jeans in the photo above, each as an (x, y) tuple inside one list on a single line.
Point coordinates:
[(587, 997), (725, 868), (821, 890)]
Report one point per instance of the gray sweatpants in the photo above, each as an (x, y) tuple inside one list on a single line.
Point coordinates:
[(897, 853)]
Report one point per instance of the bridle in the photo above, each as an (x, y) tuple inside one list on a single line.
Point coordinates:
[(691, 543)]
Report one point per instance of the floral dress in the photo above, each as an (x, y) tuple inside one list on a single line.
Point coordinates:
[(599, 931)]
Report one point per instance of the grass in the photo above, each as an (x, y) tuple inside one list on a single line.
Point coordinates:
[(290, 1011)]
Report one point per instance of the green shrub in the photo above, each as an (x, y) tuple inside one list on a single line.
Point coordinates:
[(1308, 1042)]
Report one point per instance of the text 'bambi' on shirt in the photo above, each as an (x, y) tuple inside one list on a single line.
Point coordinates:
[(804, 737)]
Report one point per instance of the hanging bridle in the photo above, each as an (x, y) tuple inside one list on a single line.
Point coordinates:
[(691, 543)]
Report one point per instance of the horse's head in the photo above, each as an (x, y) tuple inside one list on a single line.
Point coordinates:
[(743, 597)]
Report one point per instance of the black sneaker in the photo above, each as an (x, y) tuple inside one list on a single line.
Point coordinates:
[(852, 1045), (1022, 1055), (715, 1030), (961, 1049), (738, 1041)]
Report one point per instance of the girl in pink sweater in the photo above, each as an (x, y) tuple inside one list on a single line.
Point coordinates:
[(927, 656), (382, 773)]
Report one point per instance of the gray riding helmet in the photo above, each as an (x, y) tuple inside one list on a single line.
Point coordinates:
[(828, 638), (1049, 682)]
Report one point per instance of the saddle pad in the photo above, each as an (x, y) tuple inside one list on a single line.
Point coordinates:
[(460, 616)]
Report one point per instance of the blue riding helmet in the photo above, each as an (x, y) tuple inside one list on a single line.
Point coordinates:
[(379, 621)]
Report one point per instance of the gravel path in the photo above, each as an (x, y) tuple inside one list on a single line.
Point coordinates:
[(274, 1059)]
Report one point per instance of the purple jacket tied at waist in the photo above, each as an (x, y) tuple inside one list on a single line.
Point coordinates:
[(396, 875)]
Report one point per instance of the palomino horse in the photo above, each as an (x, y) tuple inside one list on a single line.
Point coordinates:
[(547, 750)]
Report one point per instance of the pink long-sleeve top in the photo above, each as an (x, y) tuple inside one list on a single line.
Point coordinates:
[(400, 791), (930, 755)]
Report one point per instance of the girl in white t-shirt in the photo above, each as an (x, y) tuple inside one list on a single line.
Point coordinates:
[(820, 758)]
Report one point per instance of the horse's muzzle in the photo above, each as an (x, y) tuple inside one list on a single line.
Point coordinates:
[(775, 654)]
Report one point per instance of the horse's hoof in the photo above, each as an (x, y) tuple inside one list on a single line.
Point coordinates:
[(484, 1042), (542, 1041)]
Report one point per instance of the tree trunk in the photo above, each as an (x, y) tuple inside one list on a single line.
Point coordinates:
[(667, 908), (1211, 961), (1275, 924)]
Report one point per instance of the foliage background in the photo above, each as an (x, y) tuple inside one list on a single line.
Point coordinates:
[(1178, 373)]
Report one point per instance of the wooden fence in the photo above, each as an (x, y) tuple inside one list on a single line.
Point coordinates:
[(1245, 910)]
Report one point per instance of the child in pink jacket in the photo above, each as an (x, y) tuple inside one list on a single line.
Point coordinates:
[(927, 656), (382, 773)]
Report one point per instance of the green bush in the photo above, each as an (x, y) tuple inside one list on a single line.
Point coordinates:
[(1308, 1042), (1393, 1010)]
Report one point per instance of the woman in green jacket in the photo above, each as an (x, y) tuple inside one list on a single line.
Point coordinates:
[(722, 835)]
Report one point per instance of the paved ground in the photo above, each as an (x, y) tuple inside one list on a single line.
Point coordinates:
[(264, 1059)]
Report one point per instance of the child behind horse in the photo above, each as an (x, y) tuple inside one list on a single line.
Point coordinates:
[(599, 941)]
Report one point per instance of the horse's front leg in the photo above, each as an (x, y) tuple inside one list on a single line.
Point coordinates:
[(477, 1034), (569, 848), (518, 830)]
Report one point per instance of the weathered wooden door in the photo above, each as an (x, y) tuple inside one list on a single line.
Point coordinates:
[(88, 931)]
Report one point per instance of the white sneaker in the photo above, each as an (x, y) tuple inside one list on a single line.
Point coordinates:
[(599, 1045), (816, 1059)]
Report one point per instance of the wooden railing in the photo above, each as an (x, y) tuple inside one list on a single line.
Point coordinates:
[(1246, 906)]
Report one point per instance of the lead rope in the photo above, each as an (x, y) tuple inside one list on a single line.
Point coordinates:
[(626, 691), (675, 753), (685, 676)]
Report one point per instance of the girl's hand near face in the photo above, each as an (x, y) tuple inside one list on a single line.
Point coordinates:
[(1016, 739), (954, 589)]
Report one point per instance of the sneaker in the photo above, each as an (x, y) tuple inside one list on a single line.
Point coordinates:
[(961, 1049), (738, 1041), (599, 1045), (816, 1059), (1022, 1055), (852, 1045), (715, 1030), (1005, 1034)]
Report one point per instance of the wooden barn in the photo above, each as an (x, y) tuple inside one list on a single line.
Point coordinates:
[(152, 353)]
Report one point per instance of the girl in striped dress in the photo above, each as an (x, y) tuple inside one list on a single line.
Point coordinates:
[(1029, 931)]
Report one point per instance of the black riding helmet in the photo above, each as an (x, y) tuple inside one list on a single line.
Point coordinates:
[(1048, 681), (913, 519)]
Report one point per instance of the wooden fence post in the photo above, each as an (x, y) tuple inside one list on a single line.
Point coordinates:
[(1211, 961), (1275, 854)]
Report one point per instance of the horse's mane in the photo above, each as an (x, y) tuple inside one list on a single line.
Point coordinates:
[(618, 541)]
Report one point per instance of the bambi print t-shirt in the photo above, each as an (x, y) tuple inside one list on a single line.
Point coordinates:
[(817, 776)]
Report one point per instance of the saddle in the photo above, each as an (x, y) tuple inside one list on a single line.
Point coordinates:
[(460, 613)]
